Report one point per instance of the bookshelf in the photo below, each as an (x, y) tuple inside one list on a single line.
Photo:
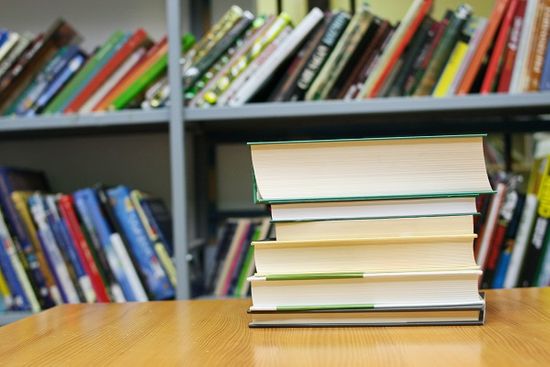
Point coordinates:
[(191, 131)]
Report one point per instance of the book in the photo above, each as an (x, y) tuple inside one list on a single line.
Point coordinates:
[(510, 53), (156, 280), (482, 247), (443, 51), (160, 220), (297, 171), (373, 209), (138, 39), (289, 291), (342, 52), (66, 208), (367, 254), (160, 248), (524, 47), (10, 41), (538, 53), (368, 315), (287, 48), (495, 61), (545, 77), (403, 34), (60, 34), (20, 47), (339, 229), (88, 71), (10, 288), (5, 295), (483, 47)]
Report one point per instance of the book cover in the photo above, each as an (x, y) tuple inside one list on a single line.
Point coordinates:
[(282, 90), (451, 69), (343, 51), (160, 220), (20, 47), (60, 34), (402, 36), (157, 282), (481, 51), (11, 40), (139, 38), (91, 67), (545, 77), (160, 248), (538, 52), (284, 51), (66, 208), (443, 51), (10, 287), (6, 300), (495, 60), (510, 53)]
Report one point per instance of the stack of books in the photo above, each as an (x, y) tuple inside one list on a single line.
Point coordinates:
[(369, 231), (101, 244)]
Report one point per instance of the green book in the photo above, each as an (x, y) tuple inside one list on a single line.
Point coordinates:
[(148, 76), (94, 64), (246, 264)]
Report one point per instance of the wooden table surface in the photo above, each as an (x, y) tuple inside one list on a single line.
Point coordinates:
[(215, 332)]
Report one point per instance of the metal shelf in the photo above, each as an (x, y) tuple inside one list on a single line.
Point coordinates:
[(12, 316)]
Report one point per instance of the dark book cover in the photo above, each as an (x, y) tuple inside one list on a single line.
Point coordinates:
[(160, 219), (224, 241), (60, 34), (539, 239), (319, 56), (281, 91), (11, 180)]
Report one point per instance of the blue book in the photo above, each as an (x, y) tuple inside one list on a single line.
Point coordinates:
[(140, 247), (545, 77), (19, 300), (88, 203), (3, 36), (11, 180), (160, 219)]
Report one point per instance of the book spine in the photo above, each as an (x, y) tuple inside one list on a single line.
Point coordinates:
[(483, 47), (158, 246), (539, 48), (284, 51), (234, 257), (21, 46), (495, 60), (60, 102), (5, 293), (451, 69), (9, 44), (524, 47), (12, 290), (82, 248), (404, 33), (510, 53), (319, 56), (443, 51), (157, 281), (545, 77), (342, 52), (484, 240), (92, 209), (211, 96)]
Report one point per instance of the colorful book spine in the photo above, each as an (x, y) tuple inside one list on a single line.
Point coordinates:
[(211, 96), (6, 300), (542, 34), (10, 288), (511, 51), (443, 51), (11, 40), (451, 69), (21, 46), (159, 247), (157, 282), (60, 102), (524, 47), (545, 77)]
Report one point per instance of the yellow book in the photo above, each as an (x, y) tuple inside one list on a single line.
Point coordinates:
[(20, 199), (159, 248), (5, 291), (451, 70)]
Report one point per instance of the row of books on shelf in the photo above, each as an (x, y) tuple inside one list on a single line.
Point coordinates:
[(333, 55), (95, 245)]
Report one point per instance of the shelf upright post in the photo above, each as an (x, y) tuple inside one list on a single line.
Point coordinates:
[(177, 148)]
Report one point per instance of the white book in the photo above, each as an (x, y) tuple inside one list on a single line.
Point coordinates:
[(285, 50), (490, 225), (8, 44), (524, 47), (50, 245), (113, 80), (521, 241), (128, 268), (22, 277)]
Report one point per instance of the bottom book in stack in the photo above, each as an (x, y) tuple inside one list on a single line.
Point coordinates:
[(348, 299)]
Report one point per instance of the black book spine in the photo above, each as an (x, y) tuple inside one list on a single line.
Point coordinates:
[(319, 57), (539, 237)]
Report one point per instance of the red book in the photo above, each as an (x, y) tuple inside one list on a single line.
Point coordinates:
[(510, 53), (411, 30), (68, 214), (483, 47), (138, 38), (498, 50)]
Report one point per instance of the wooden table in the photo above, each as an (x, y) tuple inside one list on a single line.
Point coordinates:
[(211, 333)]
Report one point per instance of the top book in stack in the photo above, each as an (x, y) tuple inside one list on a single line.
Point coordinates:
[(369, 169)]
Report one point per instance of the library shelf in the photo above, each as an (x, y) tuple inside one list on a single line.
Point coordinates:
[(12, 316)]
